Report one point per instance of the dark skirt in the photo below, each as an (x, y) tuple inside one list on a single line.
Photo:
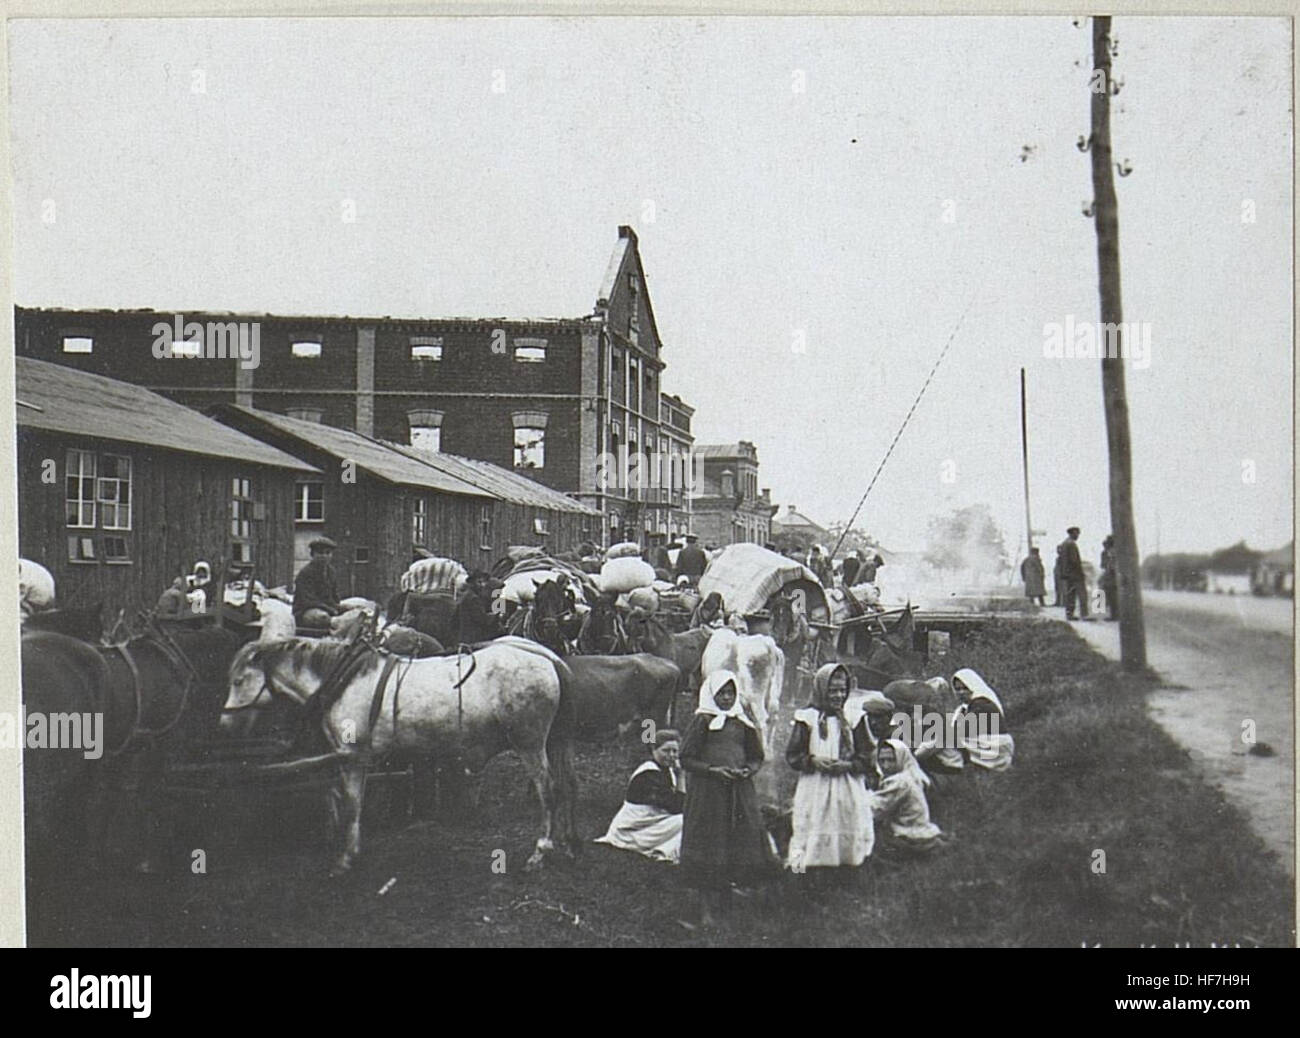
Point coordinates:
[(723, 837)]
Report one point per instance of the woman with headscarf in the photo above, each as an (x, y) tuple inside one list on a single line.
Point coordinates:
[(900, 800), (833, 753), (199, 583), (979, 721), (723, 838), (710, 612)]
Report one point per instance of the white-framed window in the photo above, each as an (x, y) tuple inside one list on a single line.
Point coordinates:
[(426, 347), (81, 549), (633, 385), (485, 525), (362, 556), (424, 429), (530, 351), (530, 447), (80, 490), (540, 527), (530, 439), (306, 414), (309, 502), (78, 344), (117, 550), (113, 491), (420, 520), (307, 349), (241, 520)]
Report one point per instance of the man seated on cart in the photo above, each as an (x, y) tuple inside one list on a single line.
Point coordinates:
[(315, 590)]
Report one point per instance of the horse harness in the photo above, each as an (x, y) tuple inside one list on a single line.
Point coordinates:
[(177, 659)]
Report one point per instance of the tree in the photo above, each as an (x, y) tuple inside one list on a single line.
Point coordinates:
[(855, 539), (968, 539)]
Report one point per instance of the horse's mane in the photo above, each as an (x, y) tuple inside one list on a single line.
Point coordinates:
[(318, 655)]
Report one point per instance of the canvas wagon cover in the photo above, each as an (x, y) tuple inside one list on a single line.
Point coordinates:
[(747, 575)]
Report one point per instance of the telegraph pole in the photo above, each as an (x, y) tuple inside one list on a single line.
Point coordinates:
[(1024, 459), (1132, 632)]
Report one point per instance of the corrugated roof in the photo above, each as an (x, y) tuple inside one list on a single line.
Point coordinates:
[(374, 456), (496, 480), (64, 400)]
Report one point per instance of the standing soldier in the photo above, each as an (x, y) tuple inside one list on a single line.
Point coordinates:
[(1076, 589), (691, 561), (1031, 571), (1107, 579)]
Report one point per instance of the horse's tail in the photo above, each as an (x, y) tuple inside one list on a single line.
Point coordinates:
[(559, 753)]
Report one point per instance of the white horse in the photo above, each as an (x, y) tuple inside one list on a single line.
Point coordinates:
[(461, 711)]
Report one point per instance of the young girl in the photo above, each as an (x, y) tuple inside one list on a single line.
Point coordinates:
[(900, 800), (723, 839), (833, 753)]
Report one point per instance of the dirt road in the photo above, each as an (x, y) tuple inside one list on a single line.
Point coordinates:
[(1228, 663)]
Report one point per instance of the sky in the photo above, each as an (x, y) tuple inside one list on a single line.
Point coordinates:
[(818, 202)]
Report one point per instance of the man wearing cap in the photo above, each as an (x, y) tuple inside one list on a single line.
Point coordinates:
[(691, 561), (315, 591), (1072, 575), (475, 621)]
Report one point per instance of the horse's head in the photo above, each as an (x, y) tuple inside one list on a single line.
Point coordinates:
[(551, 603), (248, 692)]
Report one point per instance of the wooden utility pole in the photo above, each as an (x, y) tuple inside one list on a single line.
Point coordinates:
[(1024, 460), (1132, 632)]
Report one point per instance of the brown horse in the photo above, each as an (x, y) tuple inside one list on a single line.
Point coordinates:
[(647, 633), (143, 700), (611, 691)]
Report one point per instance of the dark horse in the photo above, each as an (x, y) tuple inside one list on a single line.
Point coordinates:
[(141, 702), (602, 632), (550, 618), (83, 623)]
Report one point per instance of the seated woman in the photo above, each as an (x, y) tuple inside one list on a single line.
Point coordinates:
[(832, 753), (900, 800), (710, 612), (979, 723), (650, 820)]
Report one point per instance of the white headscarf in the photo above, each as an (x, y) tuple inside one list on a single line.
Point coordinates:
[(709, 706), (907, 764), (978, 687)]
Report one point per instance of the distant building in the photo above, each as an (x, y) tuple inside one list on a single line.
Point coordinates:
[(546, 397), (795, 523), (1275, 573), (727, 506)]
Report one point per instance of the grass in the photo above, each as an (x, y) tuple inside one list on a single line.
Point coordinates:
[(1092, 773)]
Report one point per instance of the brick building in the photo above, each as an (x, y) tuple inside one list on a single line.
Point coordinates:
[(546, 398), (728, 506)]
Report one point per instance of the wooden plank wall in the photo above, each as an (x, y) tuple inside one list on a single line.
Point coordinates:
[(180, 514)]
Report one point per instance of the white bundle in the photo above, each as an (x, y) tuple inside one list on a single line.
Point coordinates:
[(867, 594), (624, 550), (625, 574), (643, 598), (521, 587)]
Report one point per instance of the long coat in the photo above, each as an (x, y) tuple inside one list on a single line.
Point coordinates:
[(1031, 571)]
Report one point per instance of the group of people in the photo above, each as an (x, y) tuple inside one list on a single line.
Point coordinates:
[(694, 802), (858, 567), (1071, 584)]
